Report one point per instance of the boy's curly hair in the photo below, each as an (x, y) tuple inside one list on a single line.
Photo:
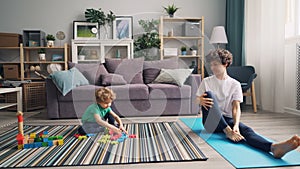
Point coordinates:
[(103, 94), (222, 55)]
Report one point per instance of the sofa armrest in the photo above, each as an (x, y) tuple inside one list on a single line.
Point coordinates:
[(194, 81), (52, 101)]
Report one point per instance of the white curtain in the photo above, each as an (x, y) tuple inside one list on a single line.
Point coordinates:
[(264, 46)]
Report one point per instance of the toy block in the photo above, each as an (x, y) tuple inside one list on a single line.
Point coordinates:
[(132, 136), (38, 139), (50, 143), (82, 137), (102, 141), (77, 135), (44, 144), (113, 138), (59, 137), (26, 146), (60, 142), (26, 137), (120, 139), (20, 142), (90, 135), (114, 142), (31, 140), (45, 132), (45, 139), (55, 142), (20, 146), (32, 135), (107, 137)]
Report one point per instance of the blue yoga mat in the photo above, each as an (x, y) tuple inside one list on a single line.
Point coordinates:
[(240, 155)]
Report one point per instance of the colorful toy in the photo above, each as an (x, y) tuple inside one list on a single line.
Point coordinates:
[(34, 140)]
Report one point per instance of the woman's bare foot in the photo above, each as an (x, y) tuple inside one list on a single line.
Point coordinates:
[(233, 136), (280, 149)]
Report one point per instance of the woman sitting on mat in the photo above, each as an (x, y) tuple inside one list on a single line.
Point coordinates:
[(95, 116), (220, 97)]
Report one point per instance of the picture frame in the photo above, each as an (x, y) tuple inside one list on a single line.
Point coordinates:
[(83, 30), (123, 27)]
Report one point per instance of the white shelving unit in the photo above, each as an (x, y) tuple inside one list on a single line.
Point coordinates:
[(90, 51)]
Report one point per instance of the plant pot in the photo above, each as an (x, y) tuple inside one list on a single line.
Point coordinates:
[(81, 57), (50, 43), (194, 52), (42, 56), (183, 52)]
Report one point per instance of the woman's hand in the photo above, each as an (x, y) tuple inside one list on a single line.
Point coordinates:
[(205, 102)]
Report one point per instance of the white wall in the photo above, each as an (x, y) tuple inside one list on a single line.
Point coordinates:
[(58, 15)]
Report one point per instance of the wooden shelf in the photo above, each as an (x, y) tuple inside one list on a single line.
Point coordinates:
[(36, 48), (8, 48), (29, 56), (43, 62), (190, 37), (182, 37), (6, 105)]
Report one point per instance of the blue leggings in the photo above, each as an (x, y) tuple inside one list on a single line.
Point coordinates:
[(94, 127), (214, 122)]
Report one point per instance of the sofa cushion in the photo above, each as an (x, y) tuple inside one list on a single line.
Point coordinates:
[(130, 69), (80, 93), (92, 71), (169, 91), (131, 92), (152, 68), (66, 80), (173, 76), (112, 79)]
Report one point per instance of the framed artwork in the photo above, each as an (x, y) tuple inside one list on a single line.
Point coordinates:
[(83, 30), (122, 27)]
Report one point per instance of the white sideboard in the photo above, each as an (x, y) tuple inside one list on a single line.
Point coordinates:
[(85, 51)]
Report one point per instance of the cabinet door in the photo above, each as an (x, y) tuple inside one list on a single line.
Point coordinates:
[(85, 53)]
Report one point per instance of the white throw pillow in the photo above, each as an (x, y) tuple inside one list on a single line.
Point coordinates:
[(173, 76)]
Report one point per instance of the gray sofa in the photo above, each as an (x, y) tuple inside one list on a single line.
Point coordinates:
[(132, 81)]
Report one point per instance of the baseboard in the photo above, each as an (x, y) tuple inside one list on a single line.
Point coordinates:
[(292, 111)]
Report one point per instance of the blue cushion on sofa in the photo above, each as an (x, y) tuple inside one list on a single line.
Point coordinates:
[(66, 80)]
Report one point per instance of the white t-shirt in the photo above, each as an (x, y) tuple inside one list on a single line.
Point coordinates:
[(226, 91)]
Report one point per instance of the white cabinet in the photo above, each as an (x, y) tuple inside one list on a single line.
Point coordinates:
[(91, 51)]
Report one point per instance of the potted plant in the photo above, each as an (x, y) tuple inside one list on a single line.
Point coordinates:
[(50, 40), (171, 9), (183, 50), (42, 54), (98, 16), (147, 44)]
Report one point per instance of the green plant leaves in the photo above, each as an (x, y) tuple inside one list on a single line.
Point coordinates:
[(98, 16)]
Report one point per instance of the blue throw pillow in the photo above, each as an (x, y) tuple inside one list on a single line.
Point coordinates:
[(66, 80)]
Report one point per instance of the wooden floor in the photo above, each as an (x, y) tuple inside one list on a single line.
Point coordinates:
[(276, 126)]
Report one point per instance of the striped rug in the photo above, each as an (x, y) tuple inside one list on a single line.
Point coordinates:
[(155, 142)]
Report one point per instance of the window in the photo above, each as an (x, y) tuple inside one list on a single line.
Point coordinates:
[(292, 21)]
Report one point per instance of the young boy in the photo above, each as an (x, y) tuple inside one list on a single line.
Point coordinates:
[(95, 116)]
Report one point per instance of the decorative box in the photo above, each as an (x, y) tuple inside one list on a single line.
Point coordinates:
[(10, 39), (11, 71), (170, 52)]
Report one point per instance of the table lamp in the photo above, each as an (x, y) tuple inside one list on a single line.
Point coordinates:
[(218, 35)]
